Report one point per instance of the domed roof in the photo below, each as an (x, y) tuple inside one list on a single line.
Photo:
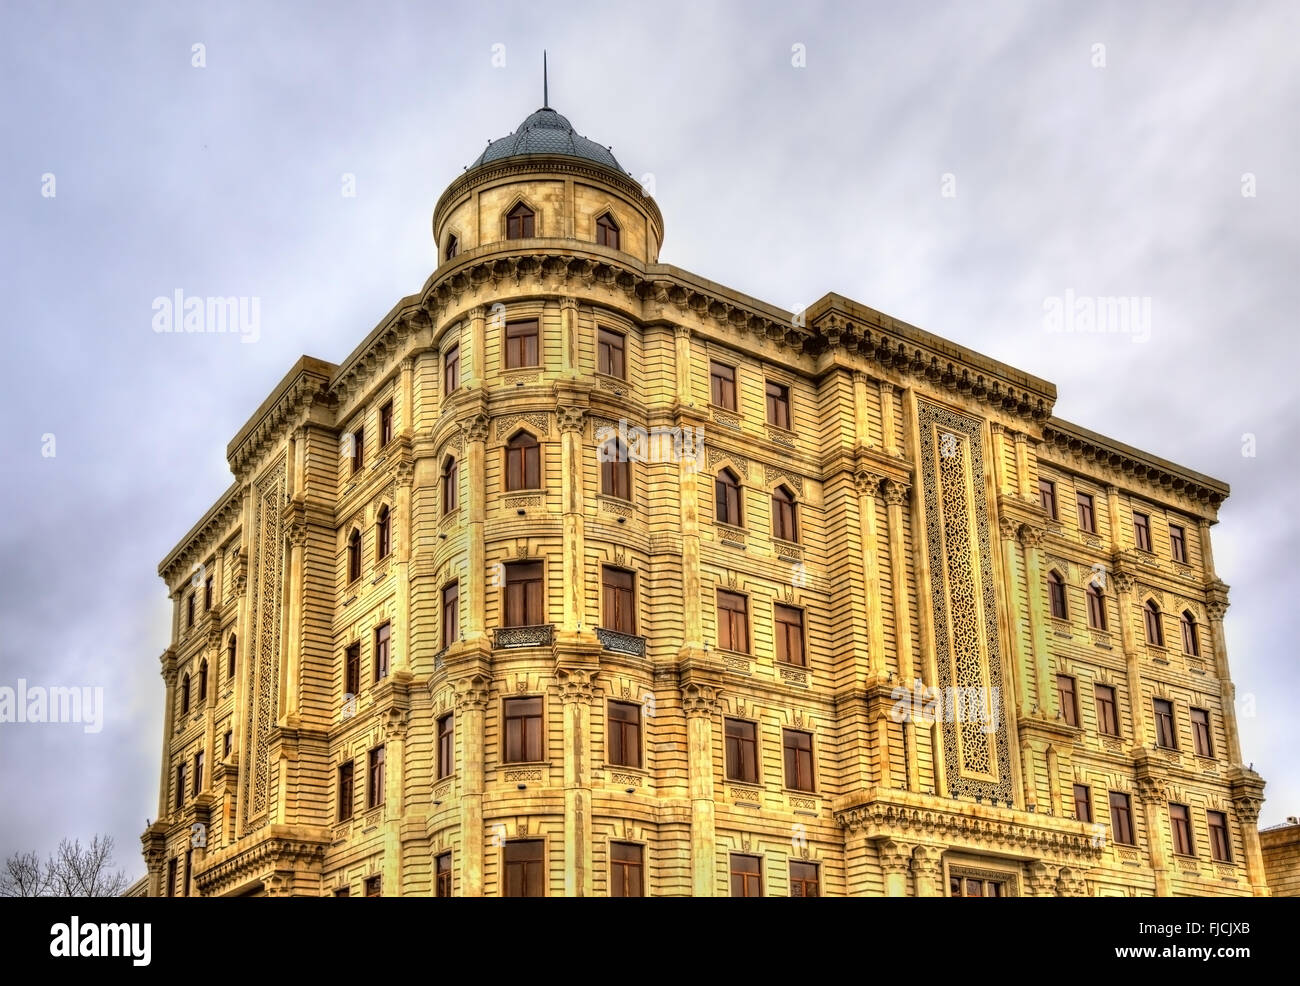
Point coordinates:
[(546, 132)]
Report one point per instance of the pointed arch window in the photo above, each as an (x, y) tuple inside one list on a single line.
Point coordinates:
[(453, 247), (383, 533), (354, 556), (1191, 644), (607, 231), (1151, 619), (1096, 608), (783, 515), (523, 462), (615, 470), (1056, 594), (726, 498), (519, 223), (450, 485)]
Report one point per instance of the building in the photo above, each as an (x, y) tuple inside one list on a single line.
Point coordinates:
[(1280, 845), (585, 575)]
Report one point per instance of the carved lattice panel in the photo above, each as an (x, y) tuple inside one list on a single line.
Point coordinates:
[(964, 598), (267, 571)]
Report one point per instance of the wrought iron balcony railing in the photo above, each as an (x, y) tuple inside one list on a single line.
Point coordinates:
[(621, 643), (535, 636)]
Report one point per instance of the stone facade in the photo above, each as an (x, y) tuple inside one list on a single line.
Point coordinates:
[(1280, 845), (919, 564)]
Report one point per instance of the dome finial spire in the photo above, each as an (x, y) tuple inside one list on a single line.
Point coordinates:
[(546, 99)]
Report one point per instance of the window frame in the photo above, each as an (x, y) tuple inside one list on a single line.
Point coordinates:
[(1225, 854), (614, 343), (1102, 704), (1097, 608), (517, 344), (1182, 839), (723, 391), (1153, 624), (1142, 531), (803, 882), (1083, 797), (445, 732), (781, 632), (442, 886), (785, 514), (730, 640), (521, 222), (1187, 629), (745, 875), (621, 869), (383, 533), (451, 370), (728, 492), (605, 225), (524, 447), (1086, 512), (1178, 544), (385, 423), (1067, 696), (358, 449), (531, 593), (522, 869), (345, 791), (1166, 725), (352, 669), (615, 470), (354, 556), (623, 599), (450, 485), (1047, 496), (798, 757), (383, 640), (1202, 734), (1121, 810), (532, 729), (777, 405), (734, 768), (450, 598), (625, 751), (1058, 603), (376, 777)]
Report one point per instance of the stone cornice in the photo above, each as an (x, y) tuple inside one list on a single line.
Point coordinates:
[(250, 858), (202, 537), (305, 385), (1127, 463)]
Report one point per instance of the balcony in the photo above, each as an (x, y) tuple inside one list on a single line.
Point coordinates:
[(508, 638), (621, 643)]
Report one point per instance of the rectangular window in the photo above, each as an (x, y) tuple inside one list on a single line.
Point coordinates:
[(226, 743), (733, 621), (189, 611), (375, 788), (442, 869), (207, 594), (180, 786), (171, 877), (778, 405), (189, 870), (525, 862), (446, 745), (523, 730), (198, 773), (619, 600), (382, 634), (451, 370), (1220, 846), (1087, 519), (1121, 820), (804, 879), (386, 424), (968, 886), (1177, 543), (742, 750), (343, 892), (450, 614), (722, 385), (523, 595), (1082, 803), (746, 876), (352, 670), (789, 635), (1142, 531), (374, 886), (1047, 497), (521, 343), (1180, 823), (1107, 719), (1065, 695), (624, 734), (1201, 733), (609, 354), (797, 747), (1165, 724), (626, 870), (345, 791), (358, 450)]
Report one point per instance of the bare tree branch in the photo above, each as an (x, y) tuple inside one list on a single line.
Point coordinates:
[(72, 871)]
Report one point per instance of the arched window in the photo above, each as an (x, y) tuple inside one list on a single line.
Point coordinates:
[(783, 518), (726, 498), (354, 556), (450, 484), (1191, 645), (185, 694), (383, 534), (607, 231), (523, 462), (203, 681), (1151, 617), (453, 247), (1056, 593), (615, 470), (231, 650), (1096, 608), (519, 223)]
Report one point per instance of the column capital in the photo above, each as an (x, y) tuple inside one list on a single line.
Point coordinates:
[(1008, 528), (472, 692), (895, 492), (575, 684), (699, 700), (475, 427), (682, 331), (1152, 789), (394, 724), (1124, 581), (1041, 878), (1247, 794), (895, 857), (1216, 600), (1071, 884), (570, 417), (925, 862), (867, 481), (1031, 536)]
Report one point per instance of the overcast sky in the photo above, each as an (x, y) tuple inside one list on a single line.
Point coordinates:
[(1115, 171)]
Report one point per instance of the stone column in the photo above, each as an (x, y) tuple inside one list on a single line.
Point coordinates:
[(888, 420), (394, 732), (1247, 798), (861, 418), (1021, 671), (169, 673), (896, 497), (472, 694), (400, 656), (896, 862), (575, 688), (682, 354), (477, 349), (1141, 712), (700, 704), (475, 429), (1154, 800), (570, 420), (1216, 607), (1031, 538), (926, 872), (1022, 466), (868, 487), (291, 655), (570, 348)]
